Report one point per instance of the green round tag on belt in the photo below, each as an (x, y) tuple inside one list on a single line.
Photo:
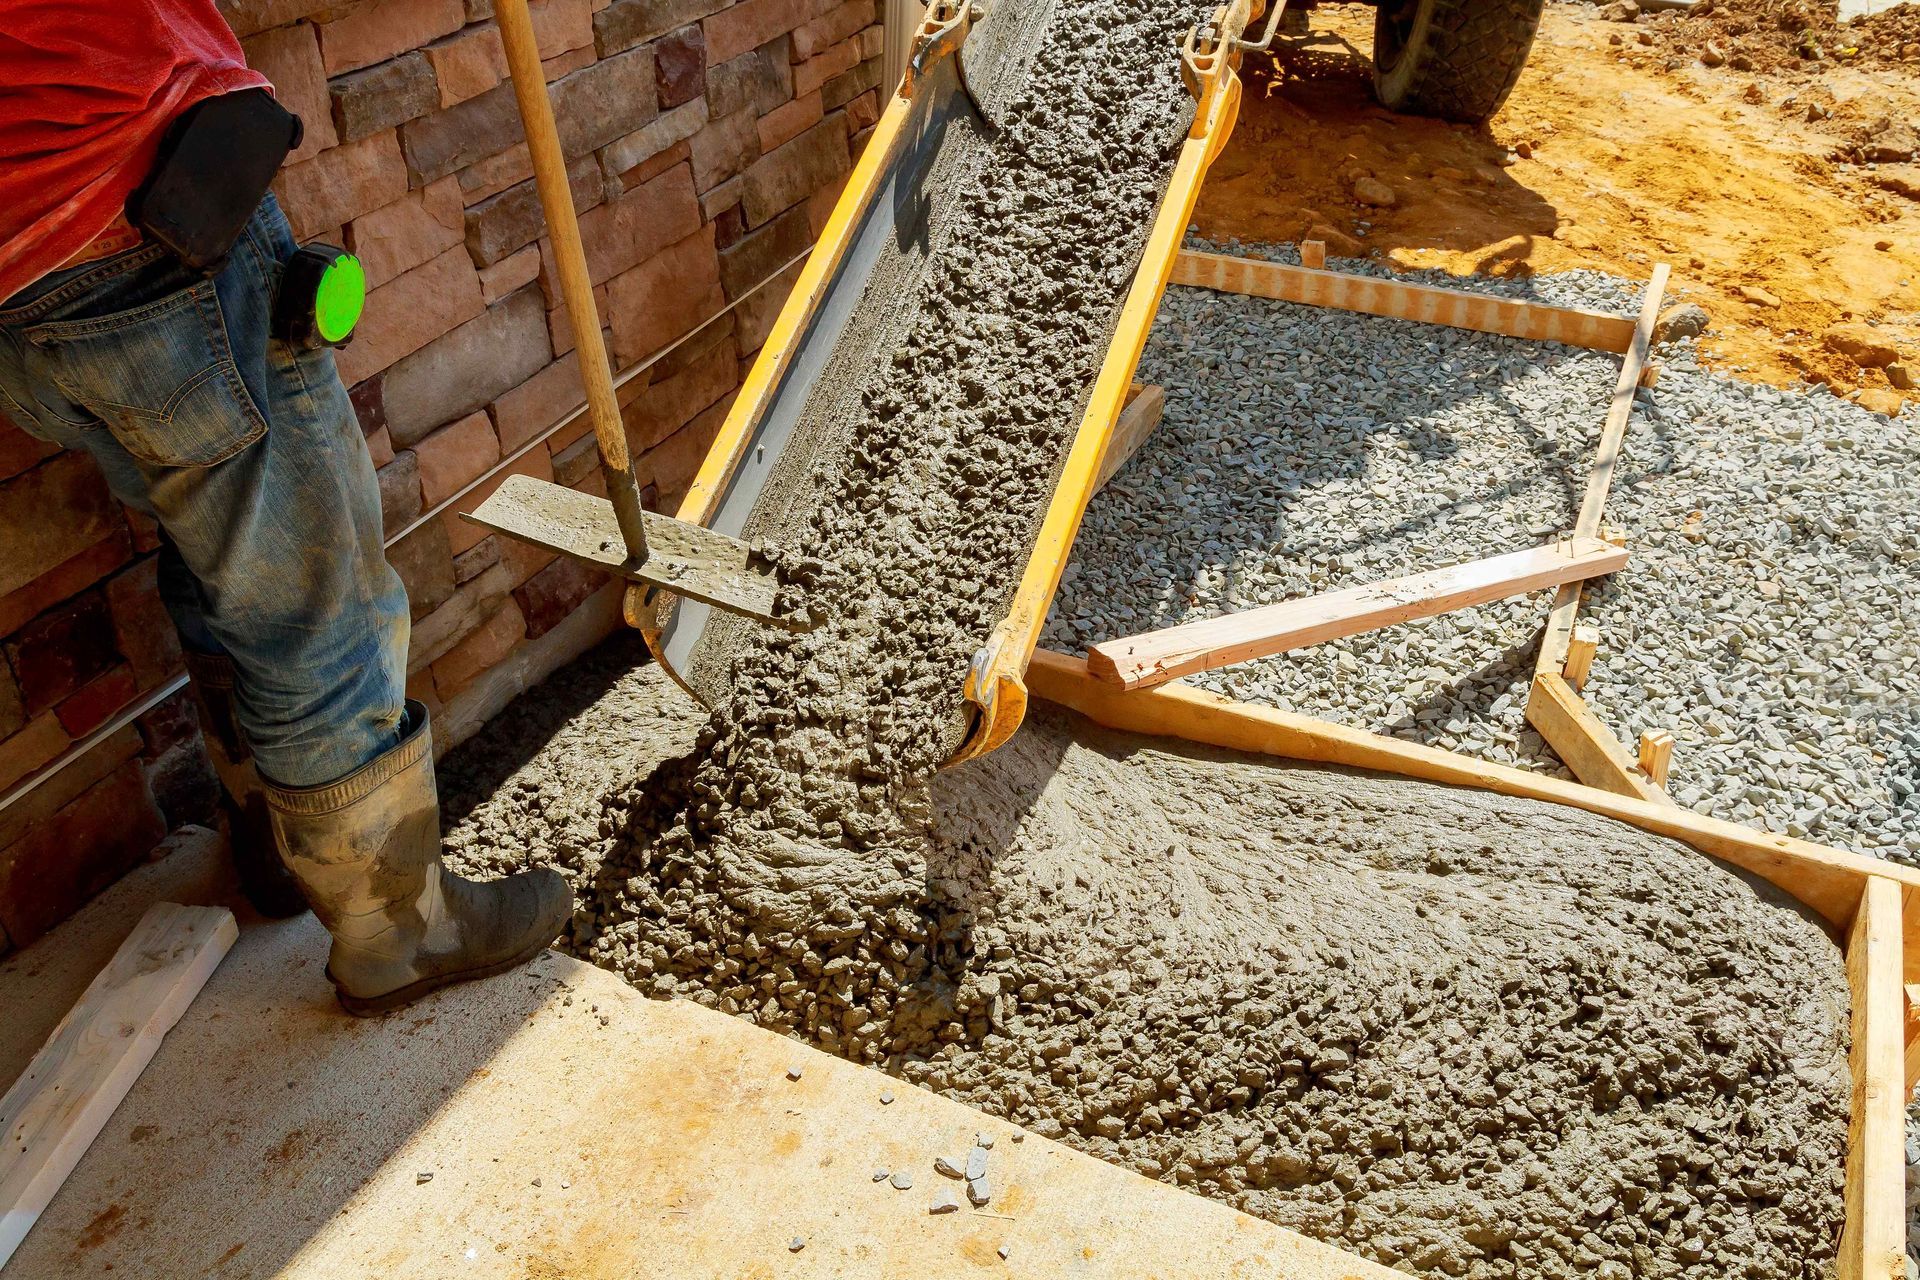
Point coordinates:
[(323, 291), (338, 300)]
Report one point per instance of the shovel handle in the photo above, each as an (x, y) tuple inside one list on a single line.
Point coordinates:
[(570, 258)]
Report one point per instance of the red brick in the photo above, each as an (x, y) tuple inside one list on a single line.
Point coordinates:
[(548, 596), (18, 450), (491, 176), (566, 64), (783, 178), (560, 26), (410, 311), (666, 406), (850, 84), (678, 153), (763, 251), (873, 42), (669, 295), (48, 515), (143, 629), (623, 24), (864, 111), (521, 560), (612, 97), (87, 708), (786, 122), (399, 484), (454, 455), (383, 96), (820, 204), (477, 559), (467, 63), (424, 561), (830, 28), (725, 147), (342, 183), (369, 405), (59, 864), (671, 465), (62, 649), (750, 24), (680, 67), (464, 534), (643, 144), (381, 29), (516, 270), (30, 749), (816, 71), (13, 712), (461, 135), (145, 531), (481, 648), (759, 81), (290, 58), (468, 368), (461, 612), (538, 403), (68, 578), (506, 222), (413, 230), (631, 228), (249, 16), (380, 448)]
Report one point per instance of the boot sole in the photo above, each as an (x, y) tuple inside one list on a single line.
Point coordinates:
[(400, 997)]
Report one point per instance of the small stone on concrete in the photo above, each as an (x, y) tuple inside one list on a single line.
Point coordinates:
[(886, 1097), (880, 1173), (796, 1244), (425, 1175), (976, 1163), (944, 1201), (947, 1168), (979, 1191), (1004, 1251), (793, 1072), (984, 1141), (903, 1181)]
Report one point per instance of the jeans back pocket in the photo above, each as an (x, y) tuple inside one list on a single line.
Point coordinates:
[(161, 377)]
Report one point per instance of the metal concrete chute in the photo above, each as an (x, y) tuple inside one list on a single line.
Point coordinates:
[(890, 211)]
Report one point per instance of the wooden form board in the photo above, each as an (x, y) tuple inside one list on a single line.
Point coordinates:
[(57, 1107), (1155, 657), (1873, 1243), (1554, 708), (1874, 905), (1137, 420), (1401, 300)]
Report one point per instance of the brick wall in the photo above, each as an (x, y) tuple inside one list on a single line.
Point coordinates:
[(709, 140)]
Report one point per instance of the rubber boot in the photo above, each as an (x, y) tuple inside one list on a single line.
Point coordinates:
[(264, 879), (366, 849)]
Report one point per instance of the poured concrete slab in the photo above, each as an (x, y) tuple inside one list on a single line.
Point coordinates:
[(551, 1123)]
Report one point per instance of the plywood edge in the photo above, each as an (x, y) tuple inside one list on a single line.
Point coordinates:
[(58, 1106), (1404, 300), (1873, 1242), (1830, 881)]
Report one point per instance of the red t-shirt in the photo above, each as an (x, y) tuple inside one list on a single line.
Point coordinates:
[(87, 87)]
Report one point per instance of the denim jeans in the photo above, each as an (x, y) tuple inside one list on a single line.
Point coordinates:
[(248, 456)]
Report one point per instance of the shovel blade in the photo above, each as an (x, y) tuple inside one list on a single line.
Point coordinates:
[(683, 558)]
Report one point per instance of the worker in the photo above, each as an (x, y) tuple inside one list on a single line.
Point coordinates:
[(141, 263)]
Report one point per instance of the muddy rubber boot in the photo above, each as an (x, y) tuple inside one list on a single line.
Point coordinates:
[(367, 851), (264, 879)]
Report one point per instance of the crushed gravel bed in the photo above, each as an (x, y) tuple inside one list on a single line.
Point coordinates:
[(1769, 618)]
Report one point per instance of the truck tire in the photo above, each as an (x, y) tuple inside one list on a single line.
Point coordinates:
[(1456, 59)]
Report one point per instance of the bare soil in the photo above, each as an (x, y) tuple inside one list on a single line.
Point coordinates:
[(1614, 156)]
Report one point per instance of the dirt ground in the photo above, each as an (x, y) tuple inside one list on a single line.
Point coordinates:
[(1771, 182)]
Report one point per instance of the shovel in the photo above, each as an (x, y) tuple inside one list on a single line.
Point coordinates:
[(612, 533)]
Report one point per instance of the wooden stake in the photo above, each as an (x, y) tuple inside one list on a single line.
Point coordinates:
[(1313, 254), (1873, 1243), (570, 259), (1580, 652), (1656, 755), (1159, 656), (1589, 748), (57, 1108), (1401, 300)]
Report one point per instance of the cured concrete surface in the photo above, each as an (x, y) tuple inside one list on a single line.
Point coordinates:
[(550, 1123)]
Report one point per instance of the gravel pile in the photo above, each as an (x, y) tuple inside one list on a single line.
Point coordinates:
[(1769, 619)]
